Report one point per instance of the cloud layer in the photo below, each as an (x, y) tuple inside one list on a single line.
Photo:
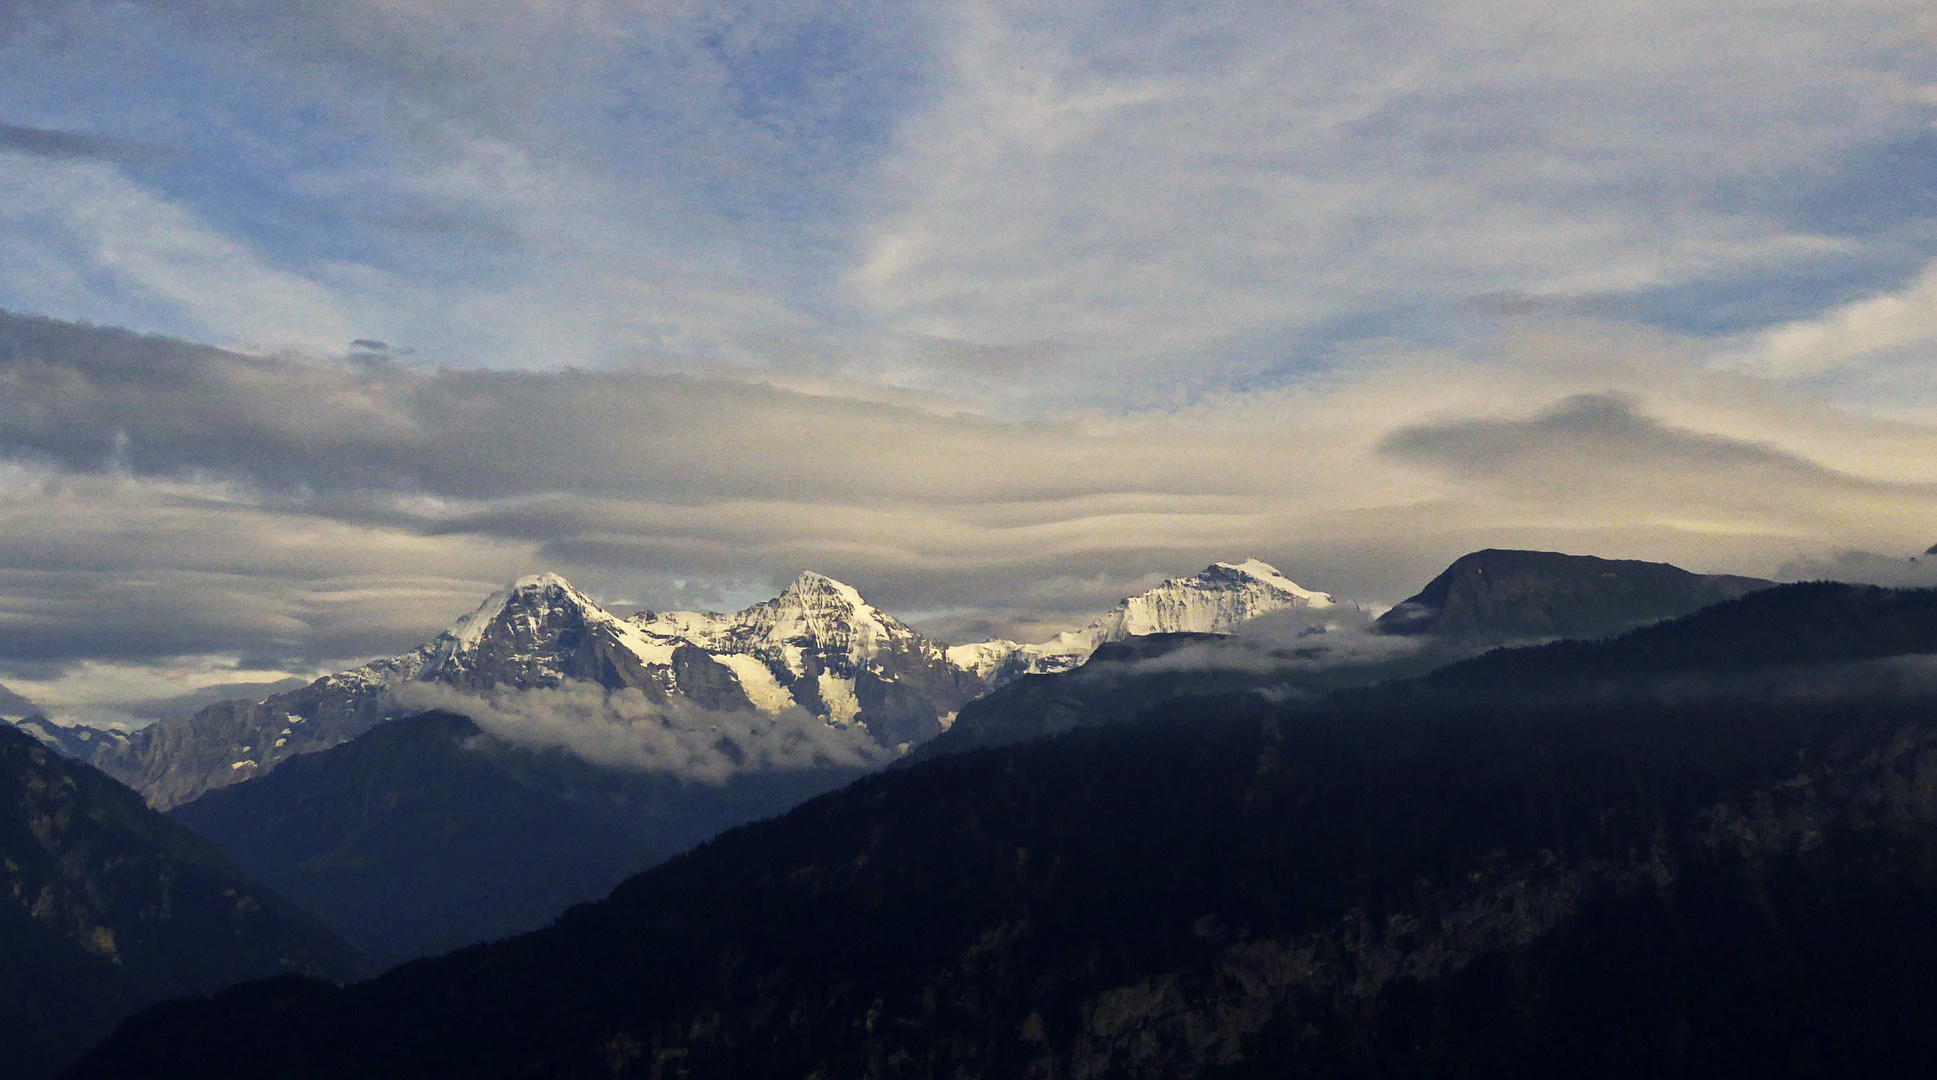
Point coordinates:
[(168, 500), (998, 311)]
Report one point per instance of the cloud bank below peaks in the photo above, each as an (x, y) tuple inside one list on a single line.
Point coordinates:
[(624, 729)]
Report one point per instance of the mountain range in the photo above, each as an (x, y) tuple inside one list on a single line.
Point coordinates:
[(1217, 600), (428, 831), (817, 650), (1481, 601), (1707, 847), (543, 750), (562, 736)]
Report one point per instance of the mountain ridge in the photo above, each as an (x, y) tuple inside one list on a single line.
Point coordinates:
[(1215, 600), (1413, 879), (818, 646), (107, 907), (1499, 596)]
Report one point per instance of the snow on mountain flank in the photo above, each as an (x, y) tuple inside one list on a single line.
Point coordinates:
[(1215, 600), (758, 683), (818, 648)]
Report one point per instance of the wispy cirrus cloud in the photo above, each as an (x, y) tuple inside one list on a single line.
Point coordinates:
[(1182, 200)]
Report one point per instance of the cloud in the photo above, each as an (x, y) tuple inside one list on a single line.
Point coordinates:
[(56, 143), (1874, 353), (1037, 211), (111, 568), (1298, 646), (624, 729), (1600, 451), (167, 499), (1228, 195), (1594, 432), (123, 694), (76, 222)]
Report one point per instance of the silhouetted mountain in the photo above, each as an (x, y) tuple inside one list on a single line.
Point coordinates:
[(106, 907), (1656, 875), (425, 834), (1795, 627), (1496, 597)]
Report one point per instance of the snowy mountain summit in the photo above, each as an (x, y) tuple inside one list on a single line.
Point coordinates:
[(538, 631), (818, 648), (1215, 600), (821, 647)]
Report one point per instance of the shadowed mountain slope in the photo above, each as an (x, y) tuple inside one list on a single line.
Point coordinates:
[(1116, 682), (425, 834), (1440, 877), (107, 907), (1497, 597)]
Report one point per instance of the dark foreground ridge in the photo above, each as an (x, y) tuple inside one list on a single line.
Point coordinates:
[(1659, 875), (106, 907)]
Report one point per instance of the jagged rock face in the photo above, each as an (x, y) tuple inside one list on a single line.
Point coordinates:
[(175, 760), (16, 706), (818, 646), (542, 632), (1216, 600)]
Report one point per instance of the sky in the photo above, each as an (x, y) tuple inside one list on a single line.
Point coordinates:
[(323, 319)]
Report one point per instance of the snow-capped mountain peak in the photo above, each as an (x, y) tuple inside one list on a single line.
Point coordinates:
[(1213, 601), (1216, 600), (1261, 571), (819, 612), (533, 597)]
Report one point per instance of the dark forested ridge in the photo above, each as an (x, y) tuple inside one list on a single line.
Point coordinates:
[(1431, 878), (107, 907), (424, 834), (1796, 625)]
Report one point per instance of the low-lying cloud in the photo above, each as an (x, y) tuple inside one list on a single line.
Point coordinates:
[(625, 729)]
